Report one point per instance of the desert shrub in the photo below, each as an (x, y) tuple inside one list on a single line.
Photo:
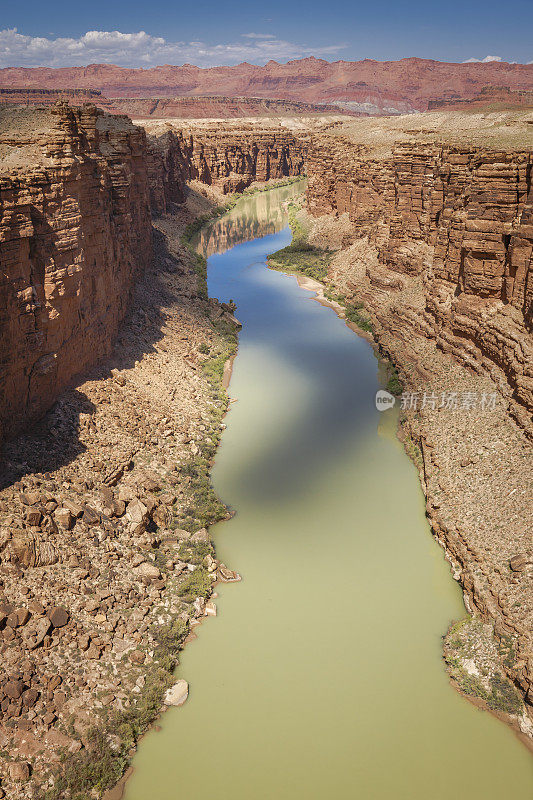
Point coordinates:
[(196, 584), (353, 314)]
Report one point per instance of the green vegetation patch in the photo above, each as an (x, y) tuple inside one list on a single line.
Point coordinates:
[(354, 313), (300, 256), (471, 641), (412, 449), (394, 384), (203, 508), (196, 584)]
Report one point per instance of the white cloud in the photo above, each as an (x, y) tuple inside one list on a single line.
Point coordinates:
[(485, 60), (134, 49), (258, 36)]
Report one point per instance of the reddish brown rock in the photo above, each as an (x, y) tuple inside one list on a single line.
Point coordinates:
[(64, 518), (462, 217), (14, 689), (228, 159), (137, 657), (19, 770), (403, 85), (59, 617), (74, 230), (30, 697)]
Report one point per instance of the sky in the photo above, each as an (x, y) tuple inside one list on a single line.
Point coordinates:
[(209, 33)]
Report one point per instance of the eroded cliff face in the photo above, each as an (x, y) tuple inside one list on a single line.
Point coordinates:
[(229, 159), (77, 190), (75, 231), (460, 218)]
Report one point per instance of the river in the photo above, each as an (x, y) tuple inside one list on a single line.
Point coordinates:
[(322, 676)]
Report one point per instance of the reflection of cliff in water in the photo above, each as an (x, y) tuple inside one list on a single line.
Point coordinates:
[(252, 218)]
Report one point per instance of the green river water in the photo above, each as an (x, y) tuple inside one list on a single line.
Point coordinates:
[(322, 676)]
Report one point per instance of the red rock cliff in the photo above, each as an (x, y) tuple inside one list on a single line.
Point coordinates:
[(74, 232), (462, 219), (76, 191), (229, 159)]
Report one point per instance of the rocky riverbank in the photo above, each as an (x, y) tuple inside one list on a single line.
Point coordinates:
[(106, 561), (473, 458)]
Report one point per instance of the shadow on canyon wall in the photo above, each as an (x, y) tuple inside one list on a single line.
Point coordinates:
[(53, 441)]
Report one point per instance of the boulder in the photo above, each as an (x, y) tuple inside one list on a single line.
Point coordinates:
[(148, 570), (137, 657), (23, 615), (177, 694), (64, 518), (210, 609), (90, 516), (200, 536), (58, 617), (30, 697), (14, 689), (226, 575), (519, 562), (33, 551), (136, 511), (33, 516), (75, 508), (19, 770), (36, 632)]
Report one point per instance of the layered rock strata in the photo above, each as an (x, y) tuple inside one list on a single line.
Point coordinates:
[(32, 96), (377, 86), (76, 194), (230, 159), (75, 232), (218, 107), (461, 219)]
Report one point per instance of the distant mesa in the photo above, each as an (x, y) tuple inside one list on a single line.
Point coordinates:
[(487, 97), (360, 87)]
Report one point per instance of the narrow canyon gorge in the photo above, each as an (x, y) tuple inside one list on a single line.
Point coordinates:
[(112, 395)]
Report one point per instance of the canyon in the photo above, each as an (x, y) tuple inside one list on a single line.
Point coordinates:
[(82, 206), (75, 230), (390, 87), (428, 220)]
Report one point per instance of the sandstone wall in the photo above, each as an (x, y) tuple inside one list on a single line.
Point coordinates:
[(168, 165), (230, 160), (75, 230), (76, 190), (462, 219)]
